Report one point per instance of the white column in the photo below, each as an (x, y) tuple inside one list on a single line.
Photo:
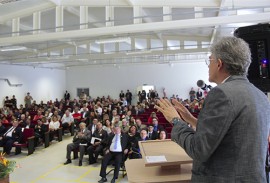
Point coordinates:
[(109, 16), (83, 17), (167, 13), (199, 14), (165, 44), (75, 50), (36, 22), (266, 9), (137, 12), (132, 44), (116, 47), (88, 47), (101, 46), (59, 17), (15, 26), (148, 43)]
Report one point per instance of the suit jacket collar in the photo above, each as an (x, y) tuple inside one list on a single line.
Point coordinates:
[(235, 77)]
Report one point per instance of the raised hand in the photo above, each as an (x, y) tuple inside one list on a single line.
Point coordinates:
[(184, 112), (167, 109)]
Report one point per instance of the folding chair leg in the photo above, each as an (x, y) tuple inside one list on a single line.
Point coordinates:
[(31, 146), (18, 150), (75, 154), (47, 139), (60, 134), (72, 129)]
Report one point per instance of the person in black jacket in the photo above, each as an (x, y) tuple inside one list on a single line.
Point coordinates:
[(2, 128), (117, 146), (98, 145), (40, 130), (12, 135)]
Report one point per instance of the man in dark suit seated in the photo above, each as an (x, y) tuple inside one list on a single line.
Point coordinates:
[(134, 152), (157, 127), (85, 115), (83, 136), (117, 146), (12, 135), (152, 135), (92, 126), (98, 145), (40, 129)]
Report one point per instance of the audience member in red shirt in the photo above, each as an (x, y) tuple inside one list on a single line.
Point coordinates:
[(150, 119)]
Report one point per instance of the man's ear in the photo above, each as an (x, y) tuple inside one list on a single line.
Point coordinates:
[(220, 64)]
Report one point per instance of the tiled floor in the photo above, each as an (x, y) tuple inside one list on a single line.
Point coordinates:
[(46, 166)]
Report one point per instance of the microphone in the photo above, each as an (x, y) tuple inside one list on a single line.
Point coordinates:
[(203, 86)]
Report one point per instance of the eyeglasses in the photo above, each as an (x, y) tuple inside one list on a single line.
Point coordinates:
[(208, 61)]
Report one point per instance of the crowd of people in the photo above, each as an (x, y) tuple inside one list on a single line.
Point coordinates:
[(97, 123)]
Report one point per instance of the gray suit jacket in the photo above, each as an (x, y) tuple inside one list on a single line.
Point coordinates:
[(230, 142), (86, 138)]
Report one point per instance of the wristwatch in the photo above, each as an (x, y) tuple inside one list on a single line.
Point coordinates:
[(175, 120)]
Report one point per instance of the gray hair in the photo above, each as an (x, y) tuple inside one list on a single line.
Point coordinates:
[(234, 53)]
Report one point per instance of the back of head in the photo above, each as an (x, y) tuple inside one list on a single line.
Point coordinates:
[(234, 53)]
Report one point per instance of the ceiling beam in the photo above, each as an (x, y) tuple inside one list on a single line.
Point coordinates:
[(125, 29), (102, 56), (161, 3), (25, 12)]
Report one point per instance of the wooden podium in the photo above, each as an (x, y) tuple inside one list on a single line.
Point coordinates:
[(162, 161)]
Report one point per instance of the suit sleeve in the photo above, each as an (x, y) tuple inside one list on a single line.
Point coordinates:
[(212, 125), (87, 137)]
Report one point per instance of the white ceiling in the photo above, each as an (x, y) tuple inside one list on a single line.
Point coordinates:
[(62, 33)]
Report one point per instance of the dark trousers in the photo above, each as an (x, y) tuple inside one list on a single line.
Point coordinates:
[(65, 126), (7, 143), (70, 148), (93, 152), (52, 134), (117, 160)]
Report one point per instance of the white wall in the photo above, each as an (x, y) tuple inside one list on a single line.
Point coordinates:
[(43, 84), (104, 80)]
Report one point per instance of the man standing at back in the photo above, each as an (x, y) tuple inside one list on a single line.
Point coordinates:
[(230, 141)]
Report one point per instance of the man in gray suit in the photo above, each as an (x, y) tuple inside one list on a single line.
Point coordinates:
[(80, 140), (230, 141)]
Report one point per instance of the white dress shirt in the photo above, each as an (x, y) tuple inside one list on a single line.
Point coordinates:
[(116, 145)]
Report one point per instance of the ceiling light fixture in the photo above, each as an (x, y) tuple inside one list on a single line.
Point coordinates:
[(113, 40), (138, 52), (13, 48)]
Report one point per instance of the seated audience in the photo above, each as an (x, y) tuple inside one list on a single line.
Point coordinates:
[(2, 128), (108, 126), (139, 125), (98, 145), (152, 135), (37, 116), (92, 127), (162, 135), (22, 121), (53, 127), (40, 130), (117, 146), (12, 135), (67, 120), (83, 136), (124, 126), (134, 152), (157, 127), (28, 124), (85, 115), (152, 115), (77, 116)]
